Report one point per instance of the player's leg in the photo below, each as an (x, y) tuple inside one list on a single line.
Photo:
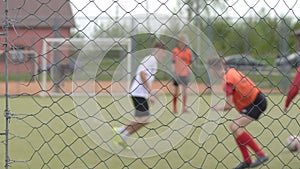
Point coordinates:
[(141, 119), (175, 95), (185, 82), (244, 139), (121, 136), (258, 107), (134, 126), (241, 138), (184, 98), (125, 131)]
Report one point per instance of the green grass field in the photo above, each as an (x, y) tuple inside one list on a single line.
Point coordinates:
[(51, 133)]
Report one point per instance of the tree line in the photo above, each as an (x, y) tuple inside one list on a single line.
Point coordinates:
[(262, 37)]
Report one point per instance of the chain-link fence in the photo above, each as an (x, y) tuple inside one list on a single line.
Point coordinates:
[(82, 85)]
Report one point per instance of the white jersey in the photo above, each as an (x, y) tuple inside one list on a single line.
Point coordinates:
[(149, 67)]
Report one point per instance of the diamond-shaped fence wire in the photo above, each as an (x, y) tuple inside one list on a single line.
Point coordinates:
[(149, 84)]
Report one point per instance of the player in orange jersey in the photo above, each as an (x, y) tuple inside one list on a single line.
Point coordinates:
[(250, 102), (182, 58)]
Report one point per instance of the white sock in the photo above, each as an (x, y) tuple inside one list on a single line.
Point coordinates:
[(123, 132), (121, 129)]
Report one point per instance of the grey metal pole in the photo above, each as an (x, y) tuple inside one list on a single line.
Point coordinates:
[(6, 113)]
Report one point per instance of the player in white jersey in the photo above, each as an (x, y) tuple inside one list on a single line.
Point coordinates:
[(140, 92)]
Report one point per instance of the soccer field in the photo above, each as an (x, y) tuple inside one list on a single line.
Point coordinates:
[(50, 133)]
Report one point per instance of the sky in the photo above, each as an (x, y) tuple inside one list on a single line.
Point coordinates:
[(234, 8), (274, 7), (86, 11)]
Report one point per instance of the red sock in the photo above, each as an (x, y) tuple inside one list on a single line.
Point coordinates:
[(249, 141), (242, 146), (252, 144), (175, 102), (184, 99)]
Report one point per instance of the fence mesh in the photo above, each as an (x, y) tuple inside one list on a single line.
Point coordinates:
[(66, 68)]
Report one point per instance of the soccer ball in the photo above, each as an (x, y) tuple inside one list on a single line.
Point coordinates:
[(293, 143)]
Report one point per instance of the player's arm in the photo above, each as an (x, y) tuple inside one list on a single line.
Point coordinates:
[(229, 103), (229, 89), (147, 86), (144, 81), (227, 106)]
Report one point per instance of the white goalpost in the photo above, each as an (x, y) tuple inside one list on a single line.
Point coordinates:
[(62, 57)]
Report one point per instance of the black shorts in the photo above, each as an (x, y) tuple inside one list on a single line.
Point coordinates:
[(183, 80), (255, 109), (141, 106)]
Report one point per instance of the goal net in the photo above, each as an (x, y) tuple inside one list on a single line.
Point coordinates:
[(77, 66), (22, 64)]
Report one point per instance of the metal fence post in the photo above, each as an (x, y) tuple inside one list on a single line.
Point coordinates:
[(7, 114)]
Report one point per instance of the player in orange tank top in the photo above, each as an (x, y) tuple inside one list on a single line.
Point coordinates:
[(182, 58), (246, 91), (246, 97)]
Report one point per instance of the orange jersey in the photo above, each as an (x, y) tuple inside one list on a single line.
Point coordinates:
[(182, 60), (244, 91)]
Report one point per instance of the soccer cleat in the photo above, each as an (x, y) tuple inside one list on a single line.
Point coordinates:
[(243, 165), (260, 160), (118, 140)]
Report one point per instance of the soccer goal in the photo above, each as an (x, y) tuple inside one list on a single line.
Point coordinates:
[(80, 66)]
